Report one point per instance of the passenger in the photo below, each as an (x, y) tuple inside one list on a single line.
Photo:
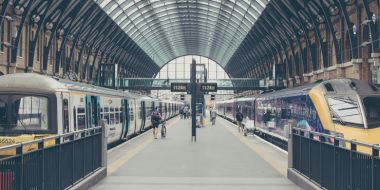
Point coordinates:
[(267, 117), (155, 119), (185, 111), (181, 113), (239, 119), (213, 116)]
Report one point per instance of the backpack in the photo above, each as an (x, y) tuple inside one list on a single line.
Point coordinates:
[(155, 117), (239, 116)]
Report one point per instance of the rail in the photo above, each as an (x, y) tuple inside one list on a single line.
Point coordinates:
[(335, 163), (56, 162)]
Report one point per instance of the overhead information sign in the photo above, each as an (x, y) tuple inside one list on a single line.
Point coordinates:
[(178, 87), (209, 87)]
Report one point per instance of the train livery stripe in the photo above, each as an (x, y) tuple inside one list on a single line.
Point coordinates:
[(319, 101)]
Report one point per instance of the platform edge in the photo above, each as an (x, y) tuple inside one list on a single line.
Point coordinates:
[(301, 181), (91, 180)]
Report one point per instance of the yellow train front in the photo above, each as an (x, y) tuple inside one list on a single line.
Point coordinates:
[(346, 108), (349, 108)]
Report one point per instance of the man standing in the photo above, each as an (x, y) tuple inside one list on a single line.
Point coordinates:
[(155, 119), (213, 116), (239, 119)]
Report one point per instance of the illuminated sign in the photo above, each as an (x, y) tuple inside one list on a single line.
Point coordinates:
[(178, 87), (209, 87)]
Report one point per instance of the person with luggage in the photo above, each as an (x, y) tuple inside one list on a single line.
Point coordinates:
[(239, 118), (185, 111), (155, 119)]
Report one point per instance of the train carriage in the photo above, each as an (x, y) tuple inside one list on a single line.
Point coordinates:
[(33, 106), (346, 108)]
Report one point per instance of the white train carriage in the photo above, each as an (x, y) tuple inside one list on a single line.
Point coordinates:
[(33, 106)]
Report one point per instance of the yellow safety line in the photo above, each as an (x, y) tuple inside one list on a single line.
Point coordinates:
[(280, 167), (114, 166)]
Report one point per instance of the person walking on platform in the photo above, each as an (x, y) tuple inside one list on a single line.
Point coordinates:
[(213, 116), (239, 119), (181, 113), (185, 111), (155, 119)]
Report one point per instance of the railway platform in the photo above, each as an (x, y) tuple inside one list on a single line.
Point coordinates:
[(220, 159)]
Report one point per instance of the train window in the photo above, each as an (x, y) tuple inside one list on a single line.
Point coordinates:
[(131, 114), (329, 87), (117, 118), (106, 109), (65, 110), (21, 112), (112, 118), (106, 117), (372, 108), (345, 109), (116, 109), (81, 110), (112, 109), (81, 121), (81, 118)]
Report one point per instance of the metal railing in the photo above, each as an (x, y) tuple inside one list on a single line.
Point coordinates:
[(54, 163), (335, 163)]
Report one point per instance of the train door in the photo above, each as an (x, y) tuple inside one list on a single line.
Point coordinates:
[(125, 115), (143, 116), (132, 113), (138, 113), (65, 114), (92, 111)]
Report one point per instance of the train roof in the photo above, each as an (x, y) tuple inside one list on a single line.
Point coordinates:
[(244, 99), (332, 86), (35, 83)]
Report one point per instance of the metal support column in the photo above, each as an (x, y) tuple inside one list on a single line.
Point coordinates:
[(193, 101)]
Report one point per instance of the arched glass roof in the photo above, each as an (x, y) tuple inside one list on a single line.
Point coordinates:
[(166, 29)]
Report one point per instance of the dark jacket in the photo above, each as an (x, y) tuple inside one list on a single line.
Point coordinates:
[(239, 116)]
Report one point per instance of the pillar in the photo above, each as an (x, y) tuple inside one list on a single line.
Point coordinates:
[(376, 66), (356, 68)]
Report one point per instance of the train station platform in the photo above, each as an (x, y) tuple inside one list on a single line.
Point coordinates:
[(220, 159)]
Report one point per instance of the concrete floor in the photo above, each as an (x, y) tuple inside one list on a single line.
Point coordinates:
[(220, 159)]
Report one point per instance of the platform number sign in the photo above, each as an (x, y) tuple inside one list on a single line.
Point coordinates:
[(179, 87), (209, 87)]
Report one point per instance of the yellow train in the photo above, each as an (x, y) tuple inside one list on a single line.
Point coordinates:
[(346, 108)]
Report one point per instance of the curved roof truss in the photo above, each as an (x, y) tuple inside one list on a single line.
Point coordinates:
[(171, 28)]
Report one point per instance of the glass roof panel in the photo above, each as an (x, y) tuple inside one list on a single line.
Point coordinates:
[(171, 28)]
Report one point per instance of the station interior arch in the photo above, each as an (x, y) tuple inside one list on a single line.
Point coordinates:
[(295, 42)]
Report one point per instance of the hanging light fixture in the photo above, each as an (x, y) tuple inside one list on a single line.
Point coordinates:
[(19, 10), (49, 25), (36, 18), (373, 17)]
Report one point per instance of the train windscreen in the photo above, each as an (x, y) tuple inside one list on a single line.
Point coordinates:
[(372, 108), (23, 113), (346, 110)]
